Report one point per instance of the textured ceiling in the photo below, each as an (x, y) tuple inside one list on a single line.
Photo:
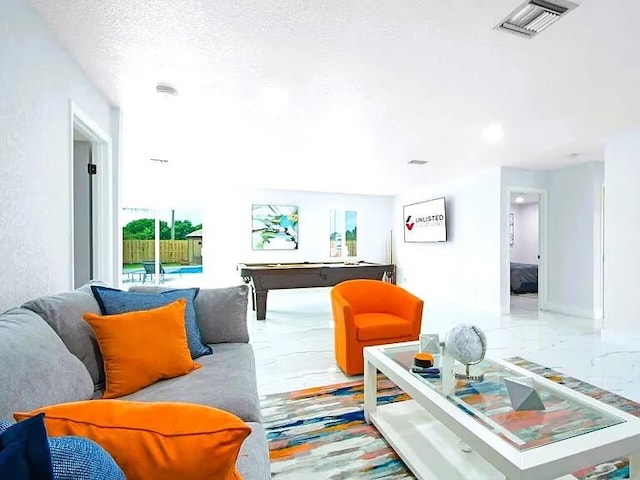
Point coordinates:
[(340, 95)]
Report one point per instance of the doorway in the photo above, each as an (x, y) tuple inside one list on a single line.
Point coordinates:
[(524, 251), (82, 209), (525, 243), (91, 201), (599, 297)]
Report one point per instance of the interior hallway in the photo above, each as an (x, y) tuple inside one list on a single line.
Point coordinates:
[(294, 345)]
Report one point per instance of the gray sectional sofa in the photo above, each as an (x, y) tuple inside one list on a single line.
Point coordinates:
[(49, 355)]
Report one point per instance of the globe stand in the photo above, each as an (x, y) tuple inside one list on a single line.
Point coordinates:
[(464, 446), (468, 372)]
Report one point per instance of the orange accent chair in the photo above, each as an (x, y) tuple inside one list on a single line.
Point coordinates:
[(371, 312)]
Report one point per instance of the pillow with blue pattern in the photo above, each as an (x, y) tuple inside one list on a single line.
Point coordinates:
[(113, 302), (69, 457), (76, 458)]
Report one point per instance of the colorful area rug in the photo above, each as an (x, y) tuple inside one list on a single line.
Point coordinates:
[(320, 433)]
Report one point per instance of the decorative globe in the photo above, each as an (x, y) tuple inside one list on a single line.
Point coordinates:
[(466, 343)]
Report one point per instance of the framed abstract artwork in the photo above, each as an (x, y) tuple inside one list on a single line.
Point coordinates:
[(274, 227)]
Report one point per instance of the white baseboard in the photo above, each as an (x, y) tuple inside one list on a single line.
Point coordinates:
[(598, 316), (570, 310)]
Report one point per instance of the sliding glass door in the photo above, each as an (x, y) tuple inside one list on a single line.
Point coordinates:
[(162, 247)]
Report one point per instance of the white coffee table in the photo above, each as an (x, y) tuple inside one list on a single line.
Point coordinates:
[(574, 432)]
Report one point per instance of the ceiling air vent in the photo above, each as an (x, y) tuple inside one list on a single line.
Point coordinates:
[(417, 162), (533, 16)]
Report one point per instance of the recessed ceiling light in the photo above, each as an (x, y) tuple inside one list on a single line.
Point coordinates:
[(492, 133), (418, 162), (519, 199)]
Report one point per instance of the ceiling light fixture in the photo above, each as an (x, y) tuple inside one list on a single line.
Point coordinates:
[(492, 133), (533, 16), (166, 90), (519, 199)]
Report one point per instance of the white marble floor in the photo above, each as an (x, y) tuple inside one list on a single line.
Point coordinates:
[(294, 345)]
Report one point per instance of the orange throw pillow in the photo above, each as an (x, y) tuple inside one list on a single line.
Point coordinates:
[(154, 440), (141, 347)]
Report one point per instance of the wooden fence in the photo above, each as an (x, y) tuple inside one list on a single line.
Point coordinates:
[(171, 251)]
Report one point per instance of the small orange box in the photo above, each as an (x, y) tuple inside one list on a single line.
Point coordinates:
[(424, 360)]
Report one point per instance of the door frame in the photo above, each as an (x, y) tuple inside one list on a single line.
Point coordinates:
[(599, 263), (543, 284), (103, 195)]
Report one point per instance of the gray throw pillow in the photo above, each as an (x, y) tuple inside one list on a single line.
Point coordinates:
[(36, 369), (221, 313), (63, 312)]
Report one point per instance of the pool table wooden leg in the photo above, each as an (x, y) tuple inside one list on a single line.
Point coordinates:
[(253, 298), (261, 304)]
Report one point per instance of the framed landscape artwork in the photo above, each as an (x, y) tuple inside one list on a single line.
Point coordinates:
[(274, 227)]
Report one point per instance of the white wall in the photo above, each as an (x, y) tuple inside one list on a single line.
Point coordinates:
[(227, 223), (525, 233), (573, 238), (38, 78), (470, 272), (571, 197), (622, 234), (462, 274)]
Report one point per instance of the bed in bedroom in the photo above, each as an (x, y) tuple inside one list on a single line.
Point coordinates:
[(524, 278)]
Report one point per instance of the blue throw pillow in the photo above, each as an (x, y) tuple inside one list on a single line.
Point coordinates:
[(80, 458), (24, 451), (113, 302)]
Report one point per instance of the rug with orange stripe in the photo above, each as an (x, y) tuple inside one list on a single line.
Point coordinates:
[(320, 433)]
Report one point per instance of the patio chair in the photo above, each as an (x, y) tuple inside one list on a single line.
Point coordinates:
[(150, 269)]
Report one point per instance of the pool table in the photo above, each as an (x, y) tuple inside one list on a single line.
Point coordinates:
[(273, 276)]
